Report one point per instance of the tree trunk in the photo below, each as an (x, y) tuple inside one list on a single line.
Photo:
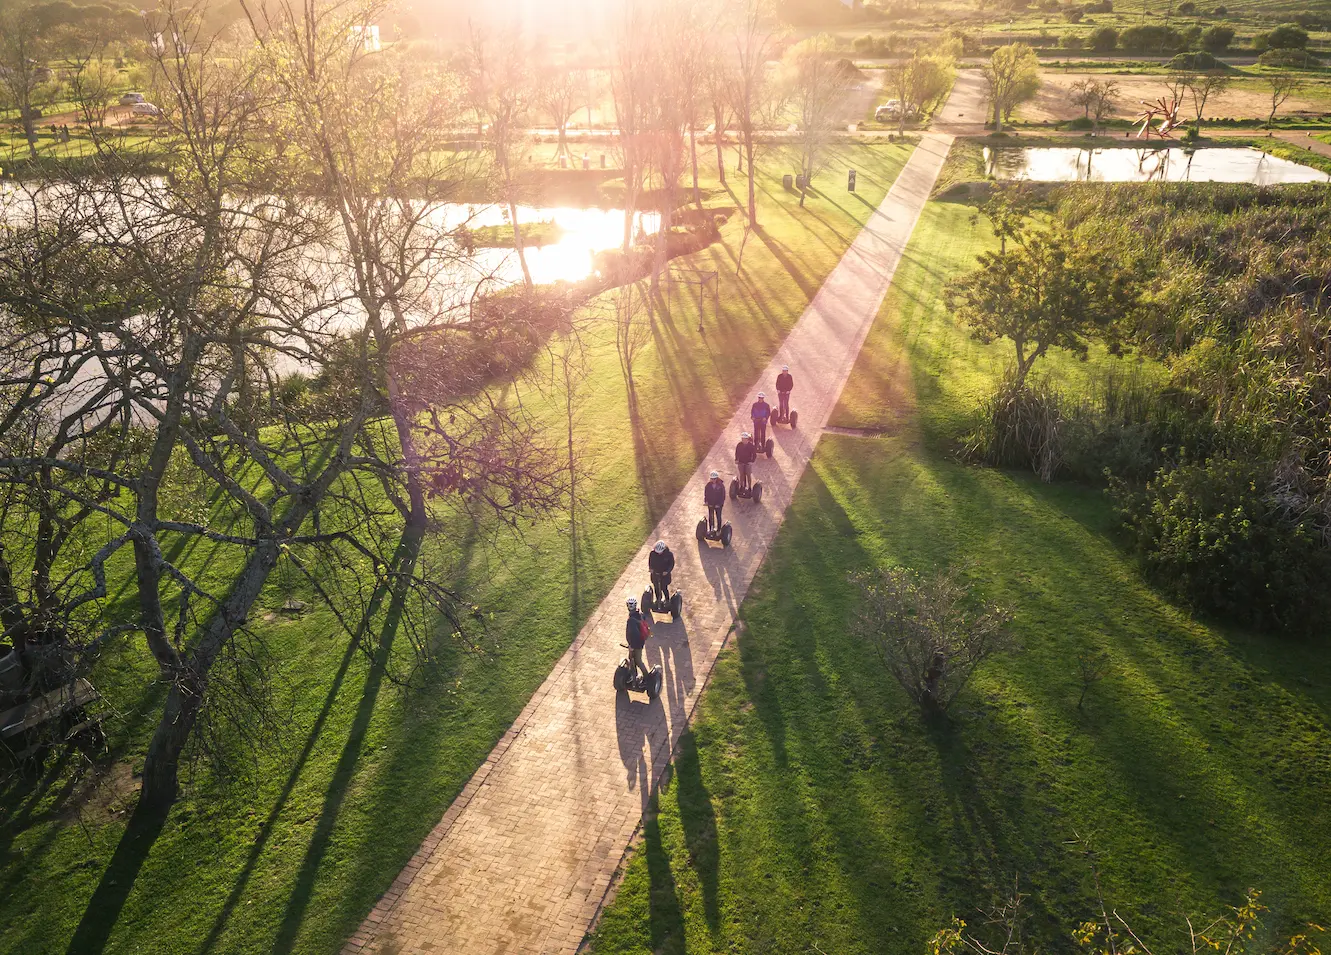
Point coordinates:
[(693, 159), (753, 202), (719, 135), (189, 680), (517, 239)]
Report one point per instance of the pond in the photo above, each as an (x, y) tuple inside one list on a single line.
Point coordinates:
[(1145, 164)]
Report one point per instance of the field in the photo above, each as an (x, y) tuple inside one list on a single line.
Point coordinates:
[(1246, 99), (288, 852), (992, 25), (812, 808)]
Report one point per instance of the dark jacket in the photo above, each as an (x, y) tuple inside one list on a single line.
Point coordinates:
[(784, 382), (714, 494), (662, 563), (760, 411), (633, 631), (746, 452)]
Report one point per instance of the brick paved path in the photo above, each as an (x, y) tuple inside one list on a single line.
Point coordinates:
[(523, 859)]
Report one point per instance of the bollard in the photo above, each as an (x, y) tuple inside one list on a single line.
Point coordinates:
[(787, 181), (586, 161), (850, 181)]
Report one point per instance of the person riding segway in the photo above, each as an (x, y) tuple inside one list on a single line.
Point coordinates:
[(714, 496), (746, 452), (760, 412), (657, 598), (785, 384), (632, 673)]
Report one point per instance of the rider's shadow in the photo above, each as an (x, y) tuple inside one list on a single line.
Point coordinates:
[(634, 722), (670, 648), (718, 565)]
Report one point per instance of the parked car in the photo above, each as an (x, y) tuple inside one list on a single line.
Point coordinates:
[(892, 109), (145, 109), (132, 99)]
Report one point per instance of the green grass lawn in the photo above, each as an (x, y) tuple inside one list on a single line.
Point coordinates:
[(812, 809), (288, 852)]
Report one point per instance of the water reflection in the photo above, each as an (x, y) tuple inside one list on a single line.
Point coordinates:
[(583, 233), (1144, 164)]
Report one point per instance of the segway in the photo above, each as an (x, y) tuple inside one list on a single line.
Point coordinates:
[(628, 678), (673, 605), (790, 419), (754, 490), (723, 534), (767, 445)]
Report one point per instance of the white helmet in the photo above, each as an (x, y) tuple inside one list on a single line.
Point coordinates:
[(745, 435), (762, 396), (715, 474), (785, 368), (632, 603), (660, 547)]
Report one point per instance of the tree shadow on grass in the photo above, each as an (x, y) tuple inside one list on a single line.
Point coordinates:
[(666, 917), (404, 560), (103, 909), (698, 818), (782, 255)]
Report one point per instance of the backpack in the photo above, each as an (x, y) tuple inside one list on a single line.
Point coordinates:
[(645, 629)]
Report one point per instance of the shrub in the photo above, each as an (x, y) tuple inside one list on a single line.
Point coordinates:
[(1102, 6), (1215, 535), (1151, 38), (1220, 12), (930, 633), (1187, 8), (1081, 122), (1104, 40), (1287, 59), (1073, 14), (1070, 42), (1198, 60), (1287, 36), (1217, 39)]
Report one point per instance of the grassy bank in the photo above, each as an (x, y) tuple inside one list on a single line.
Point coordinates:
[(289, 852), (812, 809)]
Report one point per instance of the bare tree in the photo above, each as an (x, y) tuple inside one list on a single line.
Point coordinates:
[(929, 632), (751, 93), (718, 82), (1283, 85), (1097, 99), (507, 98), (152, 332), (560, 91), (1202, 87), (817, 84), (633, 329), (632, 86)]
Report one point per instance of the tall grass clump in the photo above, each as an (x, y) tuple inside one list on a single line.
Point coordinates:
[(1221, 468)]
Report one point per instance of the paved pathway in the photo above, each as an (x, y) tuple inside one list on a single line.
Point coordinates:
[(523, 860)]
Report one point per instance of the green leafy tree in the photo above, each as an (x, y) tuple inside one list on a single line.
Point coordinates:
[(1012, 76), (1044, 290)]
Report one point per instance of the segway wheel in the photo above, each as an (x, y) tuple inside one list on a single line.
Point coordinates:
[(654, 681), (771, 444), (623, 673), (701, 532), (726, 532), (794, 417), (676, 606), (734, 488), (757, 492), (648, 603)]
